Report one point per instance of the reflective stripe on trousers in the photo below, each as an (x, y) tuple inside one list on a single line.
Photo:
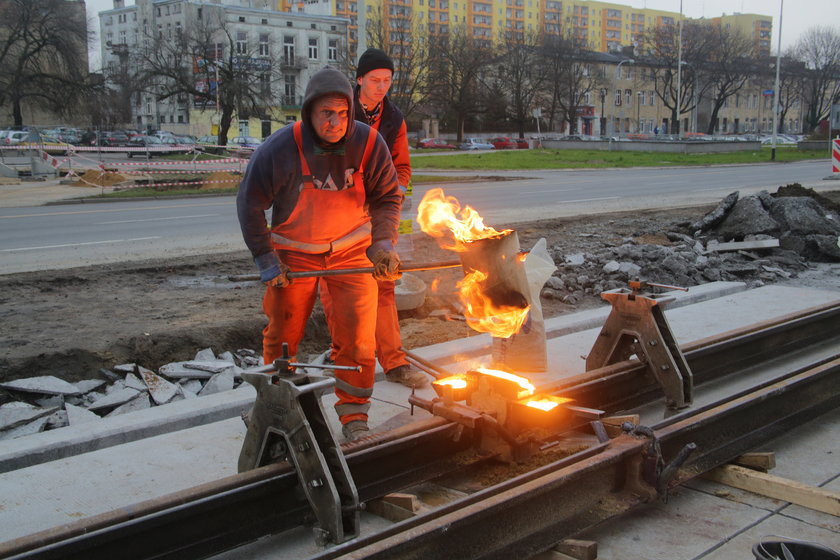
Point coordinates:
[(353, 324)]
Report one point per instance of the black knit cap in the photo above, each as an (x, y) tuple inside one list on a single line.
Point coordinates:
[(373, 59)]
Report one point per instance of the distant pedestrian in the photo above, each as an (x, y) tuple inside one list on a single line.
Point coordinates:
[(656, 131)]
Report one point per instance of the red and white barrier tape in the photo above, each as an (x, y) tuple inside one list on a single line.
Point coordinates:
[(179, 183), (171, 163), (171, 171)]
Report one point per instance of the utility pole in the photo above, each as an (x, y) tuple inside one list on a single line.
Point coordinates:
[(776, 85)]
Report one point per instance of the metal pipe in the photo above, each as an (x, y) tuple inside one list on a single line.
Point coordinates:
[(434, 370), (338, 272)]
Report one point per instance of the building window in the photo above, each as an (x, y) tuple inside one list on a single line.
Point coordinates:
[(264, 44), (313, 48), (265, 85), (628, 95), (650, 98), (241, 42), (289, 49), (332, 49), (289, 93), (617, 97)]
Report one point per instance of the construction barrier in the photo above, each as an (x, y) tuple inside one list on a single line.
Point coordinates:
[(835, 155)]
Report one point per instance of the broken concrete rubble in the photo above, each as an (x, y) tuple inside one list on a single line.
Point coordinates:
[(134, 388)]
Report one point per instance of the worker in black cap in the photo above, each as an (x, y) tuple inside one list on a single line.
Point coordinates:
[(372, 106)]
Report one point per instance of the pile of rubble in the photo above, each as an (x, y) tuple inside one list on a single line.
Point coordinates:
[(47, 402), (757, 239)]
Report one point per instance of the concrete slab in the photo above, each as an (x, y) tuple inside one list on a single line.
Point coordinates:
[(115, 399), (17, 413), (160, 389), (139, 402), (218, 383), (77, 415), (43, 385)]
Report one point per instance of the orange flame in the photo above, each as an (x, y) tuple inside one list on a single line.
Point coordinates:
[(439, 214), (523, 382), (501, 321)]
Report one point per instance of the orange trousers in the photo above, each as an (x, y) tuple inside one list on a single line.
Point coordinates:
[(388, 339), (352, 325)]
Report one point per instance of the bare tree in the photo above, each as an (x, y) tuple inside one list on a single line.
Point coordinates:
[(209, 66), (406, 41), (819, 49), (571, 75), (457, 65), (791, 83), (676, 88), (43, 45), (726, 69), (520, 77)]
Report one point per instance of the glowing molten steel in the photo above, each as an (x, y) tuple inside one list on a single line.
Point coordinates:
[(439, 214), (542, 404), (483, 315), (454, 381), (526, 385)]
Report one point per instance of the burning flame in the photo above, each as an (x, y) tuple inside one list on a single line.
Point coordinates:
[(454, 381), (546, 404), (526, 385), (501, 321), (439, 214)]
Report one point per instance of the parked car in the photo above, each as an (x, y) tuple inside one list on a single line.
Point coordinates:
[(435, 143), (475, 144), (244, 142), (522, 143), (15, 137), (153, 146), (112, 139), (209, 140), (503, 143)]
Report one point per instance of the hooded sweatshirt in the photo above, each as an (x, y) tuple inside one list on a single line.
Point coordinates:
[(274, 180)]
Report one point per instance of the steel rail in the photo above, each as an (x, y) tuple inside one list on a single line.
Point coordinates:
[(528, 514), (228, 513)]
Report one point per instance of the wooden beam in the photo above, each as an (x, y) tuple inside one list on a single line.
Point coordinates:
[(578, 549), (776, 487), (759, 461)]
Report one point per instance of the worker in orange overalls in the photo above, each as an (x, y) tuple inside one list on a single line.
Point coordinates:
[(335, 203), (374, 73)]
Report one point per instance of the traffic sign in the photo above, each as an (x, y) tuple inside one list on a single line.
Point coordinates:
[(767, 92)]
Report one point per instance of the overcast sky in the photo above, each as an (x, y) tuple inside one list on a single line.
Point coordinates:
[(798, 16)]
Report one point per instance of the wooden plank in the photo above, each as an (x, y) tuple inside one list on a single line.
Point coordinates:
[(760, 461), (578, 549), (776, 487), (405, 501), (387, 510)]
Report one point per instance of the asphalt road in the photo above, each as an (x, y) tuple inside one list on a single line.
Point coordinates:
[(65, 236)]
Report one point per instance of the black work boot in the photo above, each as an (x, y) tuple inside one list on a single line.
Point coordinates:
[(355, 429)]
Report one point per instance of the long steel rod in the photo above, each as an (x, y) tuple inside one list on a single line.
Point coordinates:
[(342, 271)]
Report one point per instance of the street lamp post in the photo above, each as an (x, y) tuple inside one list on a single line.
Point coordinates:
[(694, 111), (679, 70), (776, 85), (618, 75), (603, 126)]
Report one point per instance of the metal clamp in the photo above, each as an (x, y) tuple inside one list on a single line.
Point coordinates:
[(288, 422), (637, 325)]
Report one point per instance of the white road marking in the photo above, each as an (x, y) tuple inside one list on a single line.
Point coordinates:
[(78, 244), (156, 219)]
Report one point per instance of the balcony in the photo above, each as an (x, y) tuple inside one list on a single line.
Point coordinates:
[(291, 102), (293, 63)]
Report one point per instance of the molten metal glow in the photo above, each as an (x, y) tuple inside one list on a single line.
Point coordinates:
[(439, 214), (526, 385), (454, 381), (546, 403), (501, 321)]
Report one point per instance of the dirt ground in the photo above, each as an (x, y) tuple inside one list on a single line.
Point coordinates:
[(70, 323)]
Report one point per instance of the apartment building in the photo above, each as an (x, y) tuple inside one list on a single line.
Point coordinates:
[(599, 26), (285, 47)]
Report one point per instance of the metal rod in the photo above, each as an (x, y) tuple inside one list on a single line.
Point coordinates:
[(435, 371), (338, 272)]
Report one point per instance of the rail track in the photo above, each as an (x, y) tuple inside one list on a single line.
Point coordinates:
[(775, 375)]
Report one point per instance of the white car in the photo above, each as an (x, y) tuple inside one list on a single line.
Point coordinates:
[(476, 144)]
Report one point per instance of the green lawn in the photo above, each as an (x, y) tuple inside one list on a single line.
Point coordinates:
[(574, 159)]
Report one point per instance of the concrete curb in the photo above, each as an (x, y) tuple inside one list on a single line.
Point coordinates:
[(75, 440)]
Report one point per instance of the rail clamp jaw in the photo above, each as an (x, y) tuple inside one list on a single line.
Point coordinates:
[(637, 325), (288, 422)]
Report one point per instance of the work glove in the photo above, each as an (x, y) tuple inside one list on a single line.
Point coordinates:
[(273, 271), (386, 261)]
